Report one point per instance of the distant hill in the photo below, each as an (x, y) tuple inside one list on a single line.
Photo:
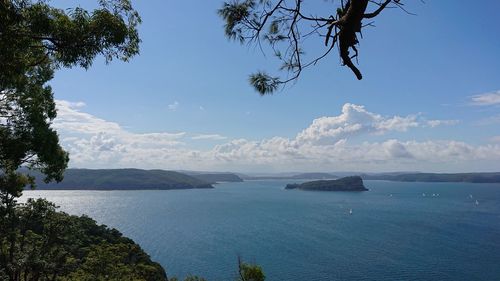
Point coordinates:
[(314, 176), (218, 177), (293, 176), (354, 183), (122, 179), (435, 177)]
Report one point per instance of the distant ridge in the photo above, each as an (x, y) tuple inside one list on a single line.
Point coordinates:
[(138, 179), (293, 176), (437, 177), (122, 179), (218, 177)]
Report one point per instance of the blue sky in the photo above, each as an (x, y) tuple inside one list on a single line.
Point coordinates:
[(429, 99)]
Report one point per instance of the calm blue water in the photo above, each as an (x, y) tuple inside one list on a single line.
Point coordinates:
[(303, 235)]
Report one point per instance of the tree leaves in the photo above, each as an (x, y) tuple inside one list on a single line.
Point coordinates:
[(263, 83), (35, 40), (44, 244)]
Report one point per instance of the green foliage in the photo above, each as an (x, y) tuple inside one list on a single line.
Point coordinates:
[(37, 243), (250, 272), (189, 278), (35, 40), (45, 244), (263, 83), (236, 13)]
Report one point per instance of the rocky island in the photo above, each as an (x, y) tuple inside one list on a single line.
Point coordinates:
[(354, 183)]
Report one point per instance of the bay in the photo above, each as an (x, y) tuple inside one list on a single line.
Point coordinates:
[(393, 233)]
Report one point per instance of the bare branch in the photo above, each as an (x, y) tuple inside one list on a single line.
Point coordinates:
[(285, 26)]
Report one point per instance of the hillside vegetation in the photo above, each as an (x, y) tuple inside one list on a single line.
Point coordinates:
[(44, 244), (123, 179)]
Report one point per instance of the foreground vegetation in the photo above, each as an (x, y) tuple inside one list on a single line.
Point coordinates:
[(39, 243)]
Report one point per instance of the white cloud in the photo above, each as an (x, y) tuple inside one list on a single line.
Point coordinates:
[(376, 156), (324, 145), (70, 118), (356, 120), (174, 106), (436, 123), (208, 137), (90, 139), (77, 104), (491, 98)]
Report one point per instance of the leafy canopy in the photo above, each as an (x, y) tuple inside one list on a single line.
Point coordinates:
[(35, 40), (51, 245)]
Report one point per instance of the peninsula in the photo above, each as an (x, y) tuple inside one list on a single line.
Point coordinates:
[(354, 183), (122, 179)]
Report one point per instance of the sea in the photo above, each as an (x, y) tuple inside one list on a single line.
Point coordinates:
[(394, 231)]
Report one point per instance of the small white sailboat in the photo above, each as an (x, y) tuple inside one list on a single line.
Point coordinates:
[(477, 202), (470, 196), (350, 212), (423, 194)]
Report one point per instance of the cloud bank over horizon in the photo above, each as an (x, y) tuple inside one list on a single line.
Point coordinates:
[(356, 139)]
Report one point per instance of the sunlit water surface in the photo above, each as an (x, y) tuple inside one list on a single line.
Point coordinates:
[(304, 235)]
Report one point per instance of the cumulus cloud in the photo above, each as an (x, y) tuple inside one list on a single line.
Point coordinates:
[(491, 98), (70, 118), (324, 145), (89, 138), (355, 120), (390, 154)]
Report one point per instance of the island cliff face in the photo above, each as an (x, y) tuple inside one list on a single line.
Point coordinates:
[(354, 183)]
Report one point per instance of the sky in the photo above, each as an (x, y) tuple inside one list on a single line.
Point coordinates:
[(429, 99)]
